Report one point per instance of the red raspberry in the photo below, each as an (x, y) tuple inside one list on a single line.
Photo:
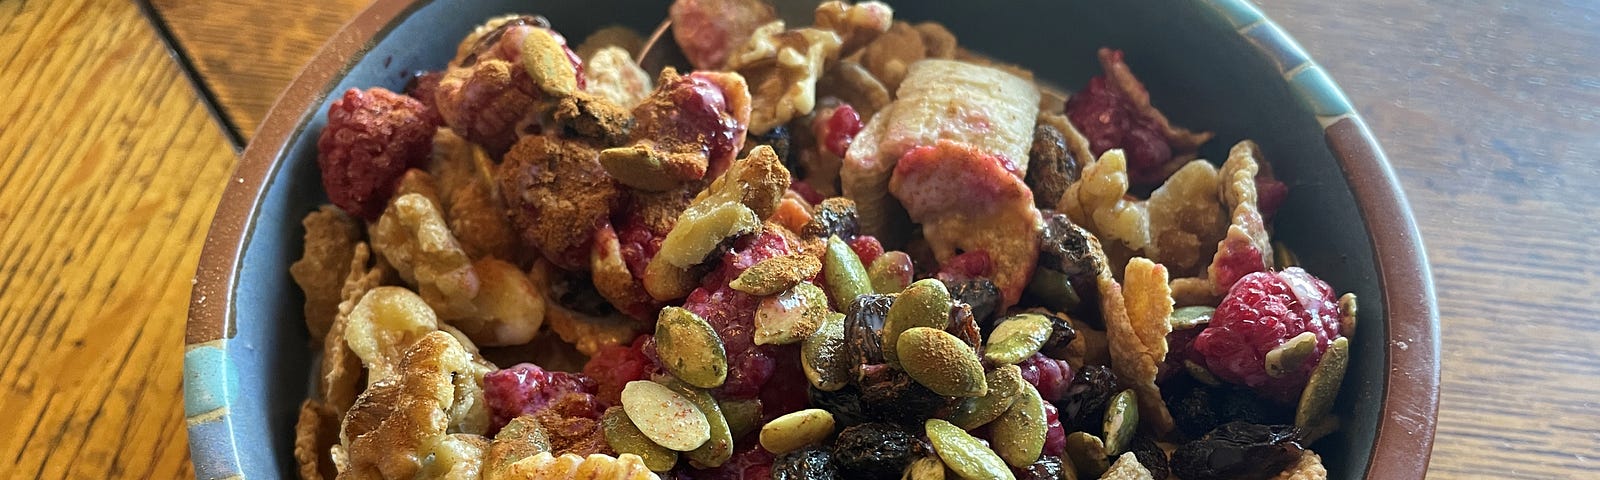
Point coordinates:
[(867, 248), (422, 86), (751, 462), (1110, 120), (1270, 194), (1260, 313), (697, 113), (732, 314), (973, 264), (527, 389), (1055, 436), (1050, 376), (616, 365), (835, 129), (372, 137), (806, 191), (786, 391)]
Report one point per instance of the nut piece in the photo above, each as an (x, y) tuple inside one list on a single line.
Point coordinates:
[(625, 438), (734, 204), (1186, 219), (891, 272), (1127, 467), (1019, 434), (596, 466), (400, 422), (792, 316), (782, 67), (857, 25), (1185, 318), (795, 430), (690, 348), (413, 237), (1122, 420), (522, 438), (964, 454), (1347, 315), (386, 322), (925, 468), (822, 355), (320, 272), (1017, 338), (508, 309), (664, 416), (941, 362), (611, 74), (1098, 202), (1316, 402), (1005, 386), (925, 303), (776, 274), (744, 416)]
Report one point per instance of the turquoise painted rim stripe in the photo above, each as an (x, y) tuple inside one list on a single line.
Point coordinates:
[(208, 380), (1308, 81)]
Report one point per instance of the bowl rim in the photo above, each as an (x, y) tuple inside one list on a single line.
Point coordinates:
[(1411, 389)]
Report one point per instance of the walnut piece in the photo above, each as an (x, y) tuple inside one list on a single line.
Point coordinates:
[(320, 272), (412, 236), (1186, 219), (508, 309), (386, 322), (612, 74), (782, 67), (857, 25), (593, 467), (1098, 202), (401, 426)]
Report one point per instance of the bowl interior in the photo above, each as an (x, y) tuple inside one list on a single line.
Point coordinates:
[(1200, 70)]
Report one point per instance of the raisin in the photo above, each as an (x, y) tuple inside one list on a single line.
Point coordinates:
[(1068, 249), (863, 329), (844, 404), (892, 396), (1239, 450), (1061, 335), (811, 463), (965, 327), (981, 295), (1197, 408), (876, 450), (1084, 408), (1051, 167), (1048, 467), (1150, 455), (834, 216)]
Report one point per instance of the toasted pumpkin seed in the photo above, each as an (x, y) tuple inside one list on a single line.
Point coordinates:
[(1200, 373), (1088, 454), (522, 438), (1054, 290), (926, 303), (1347, 314), (719, 448), (1316, 401), (625, 437), (941, 362), (1016, 338), (690, 348), (822, 355), (664, 416), (847, 278), (1184, 318), (744, 416), (1019, 433), (796, 429), (964, 454), (1005, 384), (890, 272), (925, 468), (1122, 420), (792, 316), (776, 274), (1288, 357)]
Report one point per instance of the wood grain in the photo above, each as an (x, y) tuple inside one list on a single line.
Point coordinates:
[(110, 168)]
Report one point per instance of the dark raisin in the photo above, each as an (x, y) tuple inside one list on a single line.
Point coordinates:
[(982, 295), (1197, 408), (834, 216), (890, 395), (1239, 450), (811, 463), (844, 404), (1085, 406), (1061, 335), (781, 143), (1048, 467), (876, 450), (1069, 250), (965, 327), (1051, 167), (1150, 455), (863, 329)]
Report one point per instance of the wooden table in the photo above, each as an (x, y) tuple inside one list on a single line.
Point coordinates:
[(119, 130)]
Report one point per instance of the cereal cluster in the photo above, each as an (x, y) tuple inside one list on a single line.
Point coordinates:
[(853, 249)]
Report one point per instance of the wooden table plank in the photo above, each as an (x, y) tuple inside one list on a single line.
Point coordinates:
[(110, 168)]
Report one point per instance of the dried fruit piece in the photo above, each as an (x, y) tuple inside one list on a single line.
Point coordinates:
[(792, 316), (1247, 248), (330, 242), (925, 303), (1316, 402), (626, 438), (823, 357), (1238, 450), (797, 429), (690, 348), (776, 274), (846, 277), (1262, 312), (1084, 408), (941, 362), (1139, 340), (527, 389), (1122, 420), (557, 196), (1151, 455), (734, 204), (813, 463), (965, 454), (1005, 386), (664, 416), (612, 74), (1016, 338), (689, 128), (876, 450), (370, 140), (1114, 111), (1019, 434), (834, 217)]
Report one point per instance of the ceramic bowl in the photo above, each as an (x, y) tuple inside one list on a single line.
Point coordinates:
[(1217, 65)]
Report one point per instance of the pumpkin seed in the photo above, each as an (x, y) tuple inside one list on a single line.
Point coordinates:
[(1016, 338), (1005, 385), (1185, 318), (925, 468), (797, 429), (964, 454), (1283, 257), (890, 272), (523, 437), (792, 316), (744, 416), (1122, 420), (847, 278), (776, 274), (664, 416), (625, 437), (1347, 314), (941, 362), (1316, 401), (690, 348), (925, 303), (1018, 434), (1200, 373), (719, 448), (1054, 290), (1088, 454), (1288, 357), (822, 355)]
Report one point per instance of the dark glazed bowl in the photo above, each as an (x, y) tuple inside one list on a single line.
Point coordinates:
[(1212, 64)]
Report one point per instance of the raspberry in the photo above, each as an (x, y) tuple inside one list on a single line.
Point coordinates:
[(1110, 120), (837, 128), (707, 31), (527, 389), (973, 264), (750, 463), (1260, 313), (867, 248), (372, 137), (694, 114), (785, 392), (1052, 377), (422, 86), (1055, 435), (616, 365), (806, 191), (732, 314), (488, 103)]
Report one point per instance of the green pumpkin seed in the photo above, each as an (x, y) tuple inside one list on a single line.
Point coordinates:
[(847, 278), (776, 274), (744, 416), (625, 437), (1200, 373), (1347, 314), (690, 348), (1185, 318), (522, 438), (1122, 420), (1283, 257), (1005, 385), (795, 430), (964, 454), (719, 448), (941, 362), (925, 468), (822, 355), (1288, 357), (926, 303), (1016, 338), (792, 316), (664, 416), (1054, 290), (1018, 435), (1088, 454), (890, 272), (1316, 402)]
